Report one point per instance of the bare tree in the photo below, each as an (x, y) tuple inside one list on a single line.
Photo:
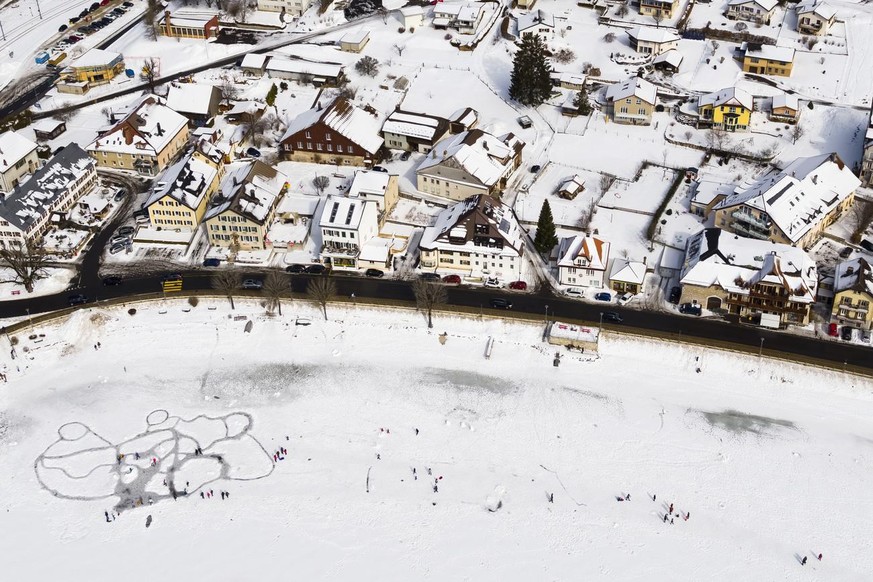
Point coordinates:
[(399, 48), (276, 286), (564, 56), (227, 282), (797, 132), (320, 183), (229, 90), (623, 10), (658, 17), (107, 111), (152, 14), (606, 182), (429, 296), (716, 138), (65, 115), (862, 214), (322, 290), (149, 71), (367, 66), (254, 129), (27, 261)]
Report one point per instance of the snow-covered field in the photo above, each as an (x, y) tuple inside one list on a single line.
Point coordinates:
[(771, 460)]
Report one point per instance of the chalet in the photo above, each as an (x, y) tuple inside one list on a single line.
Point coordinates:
[(652, 41), (853, 294), (571, 187), (815, 17), (785, 108), (758, 11), (632, 102), (537, 23), (197, 102), (729, 109), (415, 132), (766, 59), (582, 261), (17, 159)]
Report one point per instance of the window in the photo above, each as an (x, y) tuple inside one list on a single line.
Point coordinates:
[(299, 145), (350, 150), (318, 146), (327, 137), (339, 148), (308, 136), (329, 147)]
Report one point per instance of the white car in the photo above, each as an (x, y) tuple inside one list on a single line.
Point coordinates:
[(493, 282), (625, 298), (574, 292)]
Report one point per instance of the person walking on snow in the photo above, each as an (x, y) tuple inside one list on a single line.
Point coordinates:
[(819, 557), (671, 508), (803, 561)]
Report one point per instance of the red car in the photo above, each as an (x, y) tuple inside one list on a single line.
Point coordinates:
[(832, 330), (518, 285), (452, 279), (105, 2)]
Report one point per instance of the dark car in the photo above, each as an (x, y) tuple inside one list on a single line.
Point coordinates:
[(405, 156), (77, 299), (846, 333), (374, 273), (690, 308), (500, 303), (94, 6), (603, 296), (535, 168), (74, 19), (211, 262), (379, 169), (112, 280), (867, 245), (253, 284), (171, 277), (119, 11), (675, 294), (612, 316), (295, 269), (125, 231), (253, 152), (316, 269), (430, 277), (62, 28), (128, 4), (84, 13), (844, 254)]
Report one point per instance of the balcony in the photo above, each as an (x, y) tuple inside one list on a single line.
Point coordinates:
[(751, 219), (749, 231)]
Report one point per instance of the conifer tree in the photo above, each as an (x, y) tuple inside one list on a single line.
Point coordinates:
[(531, 74), (545, 238)]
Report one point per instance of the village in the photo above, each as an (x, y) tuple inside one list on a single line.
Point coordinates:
[(712, 159)]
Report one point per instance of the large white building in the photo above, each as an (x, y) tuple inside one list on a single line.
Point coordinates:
[(17, 158), (582, 261), (347, 224), (292, 7)]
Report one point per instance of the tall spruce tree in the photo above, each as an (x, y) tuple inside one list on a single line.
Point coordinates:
[(531, 74), (581, 102), (545, 238)]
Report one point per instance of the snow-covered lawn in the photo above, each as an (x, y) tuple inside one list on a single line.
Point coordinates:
[(56, 280), (771, 460)]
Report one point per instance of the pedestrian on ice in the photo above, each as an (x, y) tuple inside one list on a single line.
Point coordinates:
[(416, 432), (201, 495), (665, 518), (819, 557), (803, 561), (551, 497), (671, 508)]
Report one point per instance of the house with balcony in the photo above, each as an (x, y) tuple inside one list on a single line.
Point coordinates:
[(729, 109), (757, 11), (766, 59), (146, 138), (347, 225), (381, 188), (17, 159), (582, 261), (632, 102), (785, 108), (662, 9), (815, 17), (463, 16), (537, 23), (853, 294), (652, 41), (793, 205), (476, 238), (751, 278), (413, 132), (469, 163)]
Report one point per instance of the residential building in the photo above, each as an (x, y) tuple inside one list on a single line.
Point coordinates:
[(866, 174), (290, 7), (184, 23), (571, 187), (347, 224), (463, 119), (47, 128), (197, 102), (412, 17), (145, 140), (537, 23), (815, 17), (668, 61), (729, 109), (526, 4), (652, 41), (767, 59), (478, 237), (793, 205), (97, 67), (413, 132), (254, 63), (354, 42), (751, 278), (381, 188), (632, 102), (706, 194), (303, 71), (338, 134), (785, 108), (582, 261), (183, 192), (664, 9), (244, 207), (17, 158), (469, 163), (758, 11), (853, 294), (29, 210), (627, 276), (464, 16)]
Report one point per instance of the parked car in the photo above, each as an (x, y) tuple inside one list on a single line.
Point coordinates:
[(94, 7), (112, 280), (574, 292), (675, 295), (603, 296), (171, 277), (500, 303), (120, 193), (126, 230), (833, 330), (104, 2), (405, 156), (430, 277), (74, 20), (211, 262), (518, 285), (127, 4), (691, 309), (535, 168), (253, 152), (119, 239), (844, 254), (316, 269), (867, 245), (77, 299), (492, 282), (374, 273), (295, 269), (379, 169), (612, 316), (625, 298), (452, 279), (253, 284), (847, 332), (865, 336), (62, 28), (118, 247)]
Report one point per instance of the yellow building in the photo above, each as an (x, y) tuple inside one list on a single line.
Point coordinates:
[(853, 294), (767, 59), (729, 109), (97, 67), (659, 8), (182, 193)]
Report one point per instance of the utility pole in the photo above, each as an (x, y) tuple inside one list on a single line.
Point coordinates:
[(2, 32), (38, 10), (546, 320), (761, 349)]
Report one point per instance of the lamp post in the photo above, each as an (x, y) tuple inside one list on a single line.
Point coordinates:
[(761, 349), (546, 320)]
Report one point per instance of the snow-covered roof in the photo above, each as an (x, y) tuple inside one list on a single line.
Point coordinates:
[(627, 271), (301, 67), (633, 87), (342, 212), (254, 61), (728, 96), (572, 185), (245, 108), (355, 37), (653, 35), (768, 51), (187, 182), (766, 5), (193, 98), (478, 224), (856, 275), (572, 331), (672, 57), (485, 157), (465, 11), (146, 129), (415, 125), (96, 58), (583, 250), (341, 116), (250, 189), (411, 10), (296, 203), (35, 198), (369, 183), (705, 191), (190, 18), (534, 19), (46, 125), (467, 117), (786, 100), (13, 147), (799, 196), (821, 9), (734, 263)]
